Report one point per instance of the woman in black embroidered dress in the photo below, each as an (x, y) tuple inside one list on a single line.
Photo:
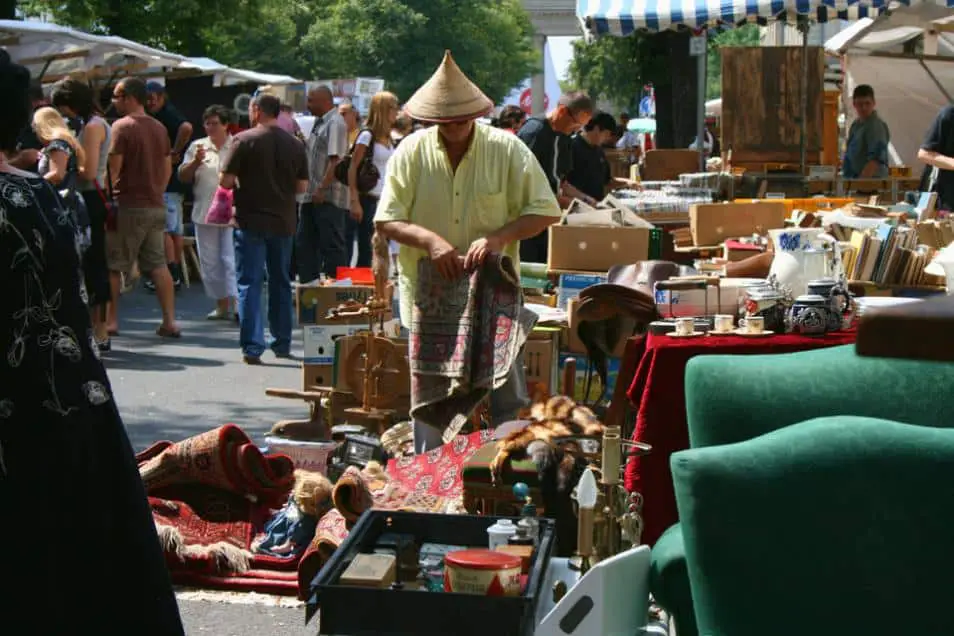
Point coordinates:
[(76, 532)]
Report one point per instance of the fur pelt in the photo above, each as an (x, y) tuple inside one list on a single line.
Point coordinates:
[(557, 417)]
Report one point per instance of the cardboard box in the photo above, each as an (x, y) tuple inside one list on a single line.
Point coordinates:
[(596, 249), (313, 375), (320, 341), (540, 358), (313, 303), (713, 223), (570, 286)]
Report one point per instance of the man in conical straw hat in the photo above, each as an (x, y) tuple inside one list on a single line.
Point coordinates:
[(458, 191)]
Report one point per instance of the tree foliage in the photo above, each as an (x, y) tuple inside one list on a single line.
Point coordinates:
[(616, 69), (401, 41)]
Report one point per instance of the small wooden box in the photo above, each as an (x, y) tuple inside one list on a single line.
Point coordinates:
[(370, 570)]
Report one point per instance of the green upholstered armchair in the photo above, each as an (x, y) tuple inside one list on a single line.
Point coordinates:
[(736, 398), (834, 526)]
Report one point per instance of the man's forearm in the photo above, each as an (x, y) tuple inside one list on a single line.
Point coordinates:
[(407, 234), (570, 191), (183, 135), (525, 227), (936, 159), (329, 177), (869, 169)]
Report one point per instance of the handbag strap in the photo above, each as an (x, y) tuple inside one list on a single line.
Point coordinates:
[(370, 145)]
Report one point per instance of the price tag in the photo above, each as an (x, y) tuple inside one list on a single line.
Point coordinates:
[(697, 46)]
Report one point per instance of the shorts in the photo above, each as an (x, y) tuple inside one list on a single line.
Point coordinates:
[(139, 238), (174, 212)]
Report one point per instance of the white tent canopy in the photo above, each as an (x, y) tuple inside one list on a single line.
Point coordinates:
[(52, 51), (909, 90), (226, 76), (889, 32)]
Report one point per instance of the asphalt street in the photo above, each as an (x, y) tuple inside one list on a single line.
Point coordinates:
[(172, 389)]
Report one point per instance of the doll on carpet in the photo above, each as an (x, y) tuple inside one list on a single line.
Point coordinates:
[(291, 529)]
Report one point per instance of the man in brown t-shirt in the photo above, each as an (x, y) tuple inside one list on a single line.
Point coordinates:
[(140, 165), (268, 167)]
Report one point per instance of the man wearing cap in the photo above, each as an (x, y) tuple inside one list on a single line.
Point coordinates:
[(180, 134), (456, 192)]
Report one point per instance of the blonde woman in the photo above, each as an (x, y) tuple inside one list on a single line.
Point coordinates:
[(62, 158), (377, 136), (75, 100)]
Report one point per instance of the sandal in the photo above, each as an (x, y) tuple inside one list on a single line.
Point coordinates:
[(165, 332)]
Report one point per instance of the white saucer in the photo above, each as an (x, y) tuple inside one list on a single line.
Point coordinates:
[(694, 334), (740, 332), (728, 332)]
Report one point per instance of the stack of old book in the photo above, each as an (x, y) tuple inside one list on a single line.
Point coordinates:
[(682, 237), (888, 255)]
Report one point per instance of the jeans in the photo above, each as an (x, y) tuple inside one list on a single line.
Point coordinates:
[(257, 253), (363, 229), (505, 404), (320, 241), (174, 201)]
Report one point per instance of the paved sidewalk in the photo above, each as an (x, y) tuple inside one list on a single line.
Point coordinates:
[(172, 389)]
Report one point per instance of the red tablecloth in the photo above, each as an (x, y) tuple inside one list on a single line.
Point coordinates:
[(658, 391)]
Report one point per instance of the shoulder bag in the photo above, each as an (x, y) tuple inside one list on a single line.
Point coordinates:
[(368, 174)]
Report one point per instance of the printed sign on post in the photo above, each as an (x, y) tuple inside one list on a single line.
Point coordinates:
[(697, 45)]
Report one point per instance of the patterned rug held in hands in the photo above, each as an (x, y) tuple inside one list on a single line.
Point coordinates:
[(431, 482), (465, 335), (210, 495)]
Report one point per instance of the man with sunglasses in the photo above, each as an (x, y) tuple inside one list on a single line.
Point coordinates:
[(549, 140)]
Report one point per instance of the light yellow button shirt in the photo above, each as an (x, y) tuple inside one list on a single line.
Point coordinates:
[(497, 181)]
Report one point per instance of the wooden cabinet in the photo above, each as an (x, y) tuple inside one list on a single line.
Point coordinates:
[(762, 101), (831, 146)]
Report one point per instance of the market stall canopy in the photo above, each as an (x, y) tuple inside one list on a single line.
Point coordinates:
[(50, 50), (714, 107), (910, 90), (890, 32), (622, 17), (226, 76), (642, 125)]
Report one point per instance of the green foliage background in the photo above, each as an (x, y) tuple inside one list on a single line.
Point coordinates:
[(616, 69), (401, 41)]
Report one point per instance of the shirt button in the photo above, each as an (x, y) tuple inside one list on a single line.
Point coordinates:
[(457, 221), (457, 194)]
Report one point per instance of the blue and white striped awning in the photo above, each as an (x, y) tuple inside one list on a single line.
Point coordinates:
[(622, 17)]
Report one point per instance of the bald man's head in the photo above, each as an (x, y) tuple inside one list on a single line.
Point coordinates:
[(320, 100)]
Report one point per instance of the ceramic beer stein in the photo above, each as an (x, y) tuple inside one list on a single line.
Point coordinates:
[(839, 300), (810, 315)]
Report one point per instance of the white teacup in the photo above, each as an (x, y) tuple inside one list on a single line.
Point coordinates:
[(723, 323), (753, 324), (685, 326)]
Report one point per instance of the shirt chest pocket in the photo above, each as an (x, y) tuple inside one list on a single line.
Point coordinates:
[(490, 212)]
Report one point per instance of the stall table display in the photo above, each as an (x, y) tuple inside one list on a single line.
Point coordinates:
[(658, 391), (663, 201)]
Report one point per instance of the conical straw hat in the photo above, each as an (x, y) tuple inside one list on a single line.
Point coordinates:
[(448, 96)]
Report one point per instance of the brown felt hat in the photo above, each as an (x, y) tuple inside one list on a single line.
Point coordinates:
[(448, 96)]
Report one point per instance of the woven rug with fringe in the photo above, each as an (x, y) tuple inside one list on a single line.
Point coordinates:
[(210, 495), (431, 482), (465, 336)]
